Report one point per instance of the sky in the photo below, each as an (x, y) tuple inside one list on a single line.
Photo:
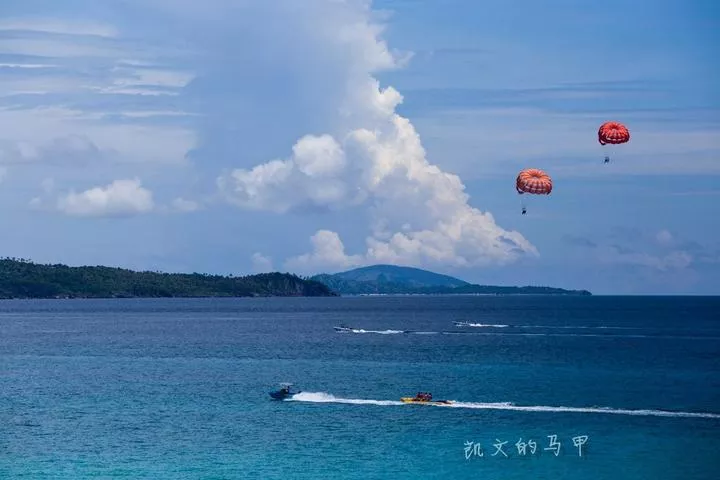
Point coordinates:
[(238, 136)]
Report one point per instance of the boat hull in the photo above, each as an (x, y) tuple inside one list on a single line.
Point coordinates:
[(282, 395), (425, 402)]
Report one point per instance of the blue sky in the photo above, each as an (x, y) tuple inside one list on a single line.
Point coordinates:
[(236, 137)]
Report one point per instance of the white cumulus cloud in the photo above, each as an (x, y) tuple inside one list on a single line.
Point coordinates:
[(374, 157), (120, 198), (314, 175), (328, 252), (261, 263)]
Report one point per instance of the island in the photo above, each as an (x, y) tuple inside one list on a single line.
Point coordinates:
[(20, 278), (399, 280)]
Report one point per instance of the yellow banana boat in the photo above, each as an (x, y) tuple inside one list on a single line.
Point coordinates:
[(424, 399)]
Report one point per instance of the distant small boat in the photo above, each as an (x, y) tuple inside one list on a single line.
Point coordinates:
[(468, 324), (284, 392), (343, 329)]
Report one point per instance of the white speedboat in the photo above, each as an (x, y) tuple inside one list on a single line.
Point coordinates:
[(343, 329)]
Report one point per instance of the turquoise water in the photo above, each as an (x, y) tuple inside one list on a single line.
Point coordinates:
[(179, 388)]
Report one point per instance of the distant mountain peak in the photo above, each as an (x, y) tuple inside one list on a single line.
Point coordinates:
[(401, 275), (397, 279)]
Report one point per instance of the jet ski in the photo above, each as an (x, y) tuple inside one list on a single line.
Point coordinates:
[(462, 324), (284, 392), (343, 329), (425, 399)]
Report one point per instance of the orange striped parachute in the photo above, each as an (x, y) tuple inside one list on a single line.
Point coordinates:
[(533, 181), (613, 133)]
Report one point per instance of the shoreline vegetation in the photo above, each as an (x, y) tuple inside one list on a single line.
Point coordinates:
[(24, 279)]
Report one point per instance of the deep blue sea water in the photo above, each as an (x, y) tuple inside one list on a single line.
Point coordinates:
[(178, 389)]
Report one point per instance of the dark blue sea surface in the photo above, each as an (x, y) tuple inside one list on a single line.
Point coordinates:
[(178, 388)]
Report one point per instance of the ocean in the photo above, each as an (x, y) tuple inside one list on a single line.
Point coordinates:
[(544, 387)]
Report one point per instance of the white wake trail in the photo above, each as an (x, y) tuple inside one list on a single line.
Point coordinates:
[(379, 332), (322, 397)]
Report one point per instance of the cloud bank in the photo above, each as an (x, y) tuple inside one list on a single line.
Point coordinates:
[(660, 252), (78, 102), (371, 157)]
